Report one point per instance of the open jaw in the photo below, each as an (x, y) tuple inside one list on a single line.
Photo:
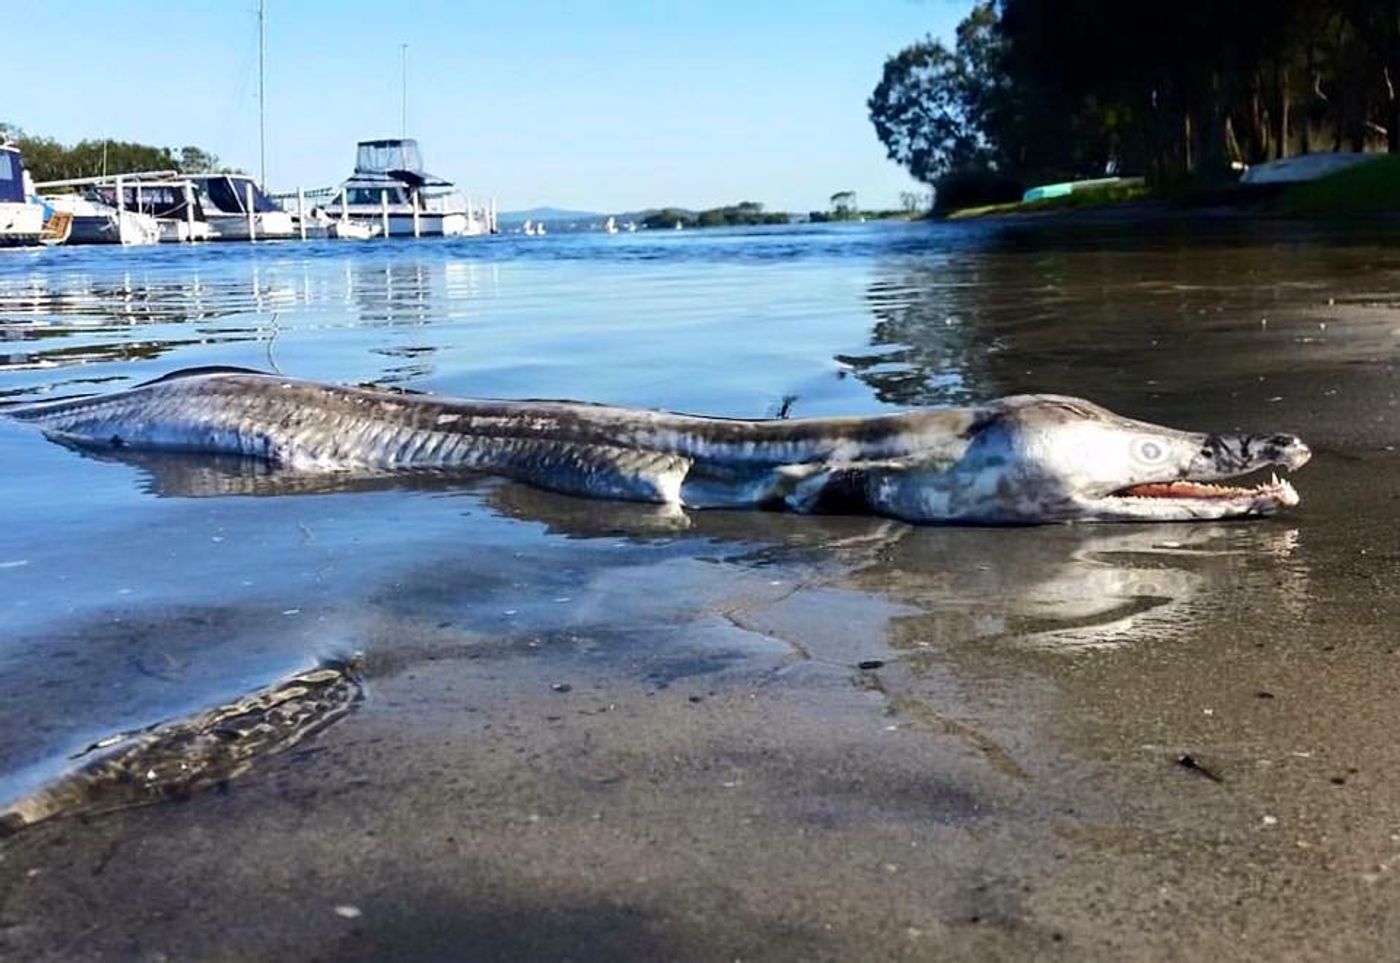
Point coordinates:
[(1193, 499)]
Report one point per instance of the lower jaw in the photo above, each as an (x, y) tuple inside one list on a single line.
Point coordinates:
[(1274, 490), (1146, 508)]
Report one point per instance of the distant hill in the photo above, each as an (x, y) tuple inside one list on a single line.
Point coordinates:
[(547, 214), (560, 219), (561, 214)]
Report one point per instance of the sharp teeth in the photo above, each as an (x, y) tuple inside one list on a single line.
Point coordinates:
[(1273, 479)]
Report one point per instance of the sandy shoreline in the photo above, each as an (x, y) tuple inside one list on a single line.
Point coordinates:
[(722, 780)]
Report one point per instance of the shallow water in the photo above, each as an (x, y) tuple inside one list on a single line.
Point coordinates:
[(139, 590)]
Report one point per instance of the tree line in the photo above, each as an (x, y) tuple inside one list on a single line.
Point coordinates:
[(1043, 90), (48, 160), (732, 215)]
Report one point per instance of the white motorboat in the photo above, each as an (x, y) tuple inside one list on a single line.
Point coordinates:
[(96, 222), (238, 211), (172, 201), (351, 230), (389, 188), (21, 217)]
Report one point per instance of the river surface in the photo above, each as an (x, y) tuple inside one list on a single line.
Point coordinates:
[(593, 731)]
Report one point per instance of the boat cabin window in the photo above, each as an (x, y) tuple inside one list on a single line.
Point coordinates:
[(158, 200), (11, 177), (371, 195)]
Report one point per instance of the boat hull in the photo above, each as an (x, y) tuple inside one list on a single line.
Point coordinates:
[(128, 228), (267, 226), (178, 231), (20, 224), (430, 223)]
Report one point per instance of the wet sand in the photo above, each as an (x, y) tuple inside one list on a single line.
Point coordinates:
[(709, 774), (766, 737)]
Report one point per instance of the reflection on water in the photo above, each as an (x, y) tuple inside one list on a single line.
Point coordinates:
[(1089, 587), (923, 351), (1054, 588), (1115, 325), (729, 322), (60, 322)]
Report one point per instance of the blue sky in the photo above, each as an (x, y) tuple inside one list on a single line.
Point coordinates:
[(592, 105)]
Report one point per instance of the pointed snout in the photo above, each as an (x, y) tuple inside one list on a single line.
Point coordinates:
[(1286, 450), (1235, 454)]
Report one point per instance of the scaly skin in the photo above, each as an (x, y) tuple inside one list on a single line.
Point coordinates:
[(1019, 460)]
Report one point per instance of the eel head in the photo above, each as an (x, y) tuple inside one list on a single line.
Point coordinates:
[(1090, 464), (1031, 459)]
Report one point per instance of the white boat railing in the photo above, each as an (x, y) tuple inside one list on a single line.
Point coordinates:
[(104, 179)]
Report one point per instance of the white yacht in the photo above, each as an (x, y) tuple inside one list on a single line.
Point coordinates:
[(351, 230), (238, 211), (108, 209), (611, 226), (172, 201), (390, 188), (21, 219), (96, 222)]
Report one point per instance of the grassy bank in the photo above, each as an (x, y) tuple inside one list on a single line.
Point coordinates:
[(1087, 197), (1367, 189)]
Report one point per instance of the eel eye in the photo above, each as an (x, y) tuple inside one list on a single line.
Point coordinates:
[(1148, 451)]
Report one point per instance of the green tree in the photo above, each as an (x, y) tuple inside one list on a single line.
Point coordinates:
[(911, 202), (1189, 88), (933, 106), (194, 160), (667, 218), (844, 205), (49, 160)]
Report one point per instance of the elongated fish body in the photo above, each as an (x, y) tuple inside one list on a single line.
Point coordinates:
[(583, 449), (982, 464)]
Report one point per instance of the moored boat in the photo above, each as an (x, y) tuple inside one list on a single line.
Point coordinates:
[(238, 211), (96, 222), (389, 188), (172, 201), (21, 218)]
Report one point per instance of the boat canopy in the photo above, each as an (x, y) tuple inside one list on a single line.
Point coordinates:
[(227, 195), (395, 159), (11, 176), (158, 200)]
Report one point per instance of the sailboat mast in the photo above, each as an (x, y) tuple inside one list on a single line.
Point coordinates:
[(262, 97), (403, 88)]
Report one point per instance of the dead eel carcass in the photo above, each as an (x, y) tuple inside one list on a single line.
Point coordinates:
[(172, 760)]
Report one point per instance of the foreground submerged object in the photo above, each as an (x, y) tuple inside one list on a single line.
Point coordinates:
[(173, 760), (1025, 459)]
